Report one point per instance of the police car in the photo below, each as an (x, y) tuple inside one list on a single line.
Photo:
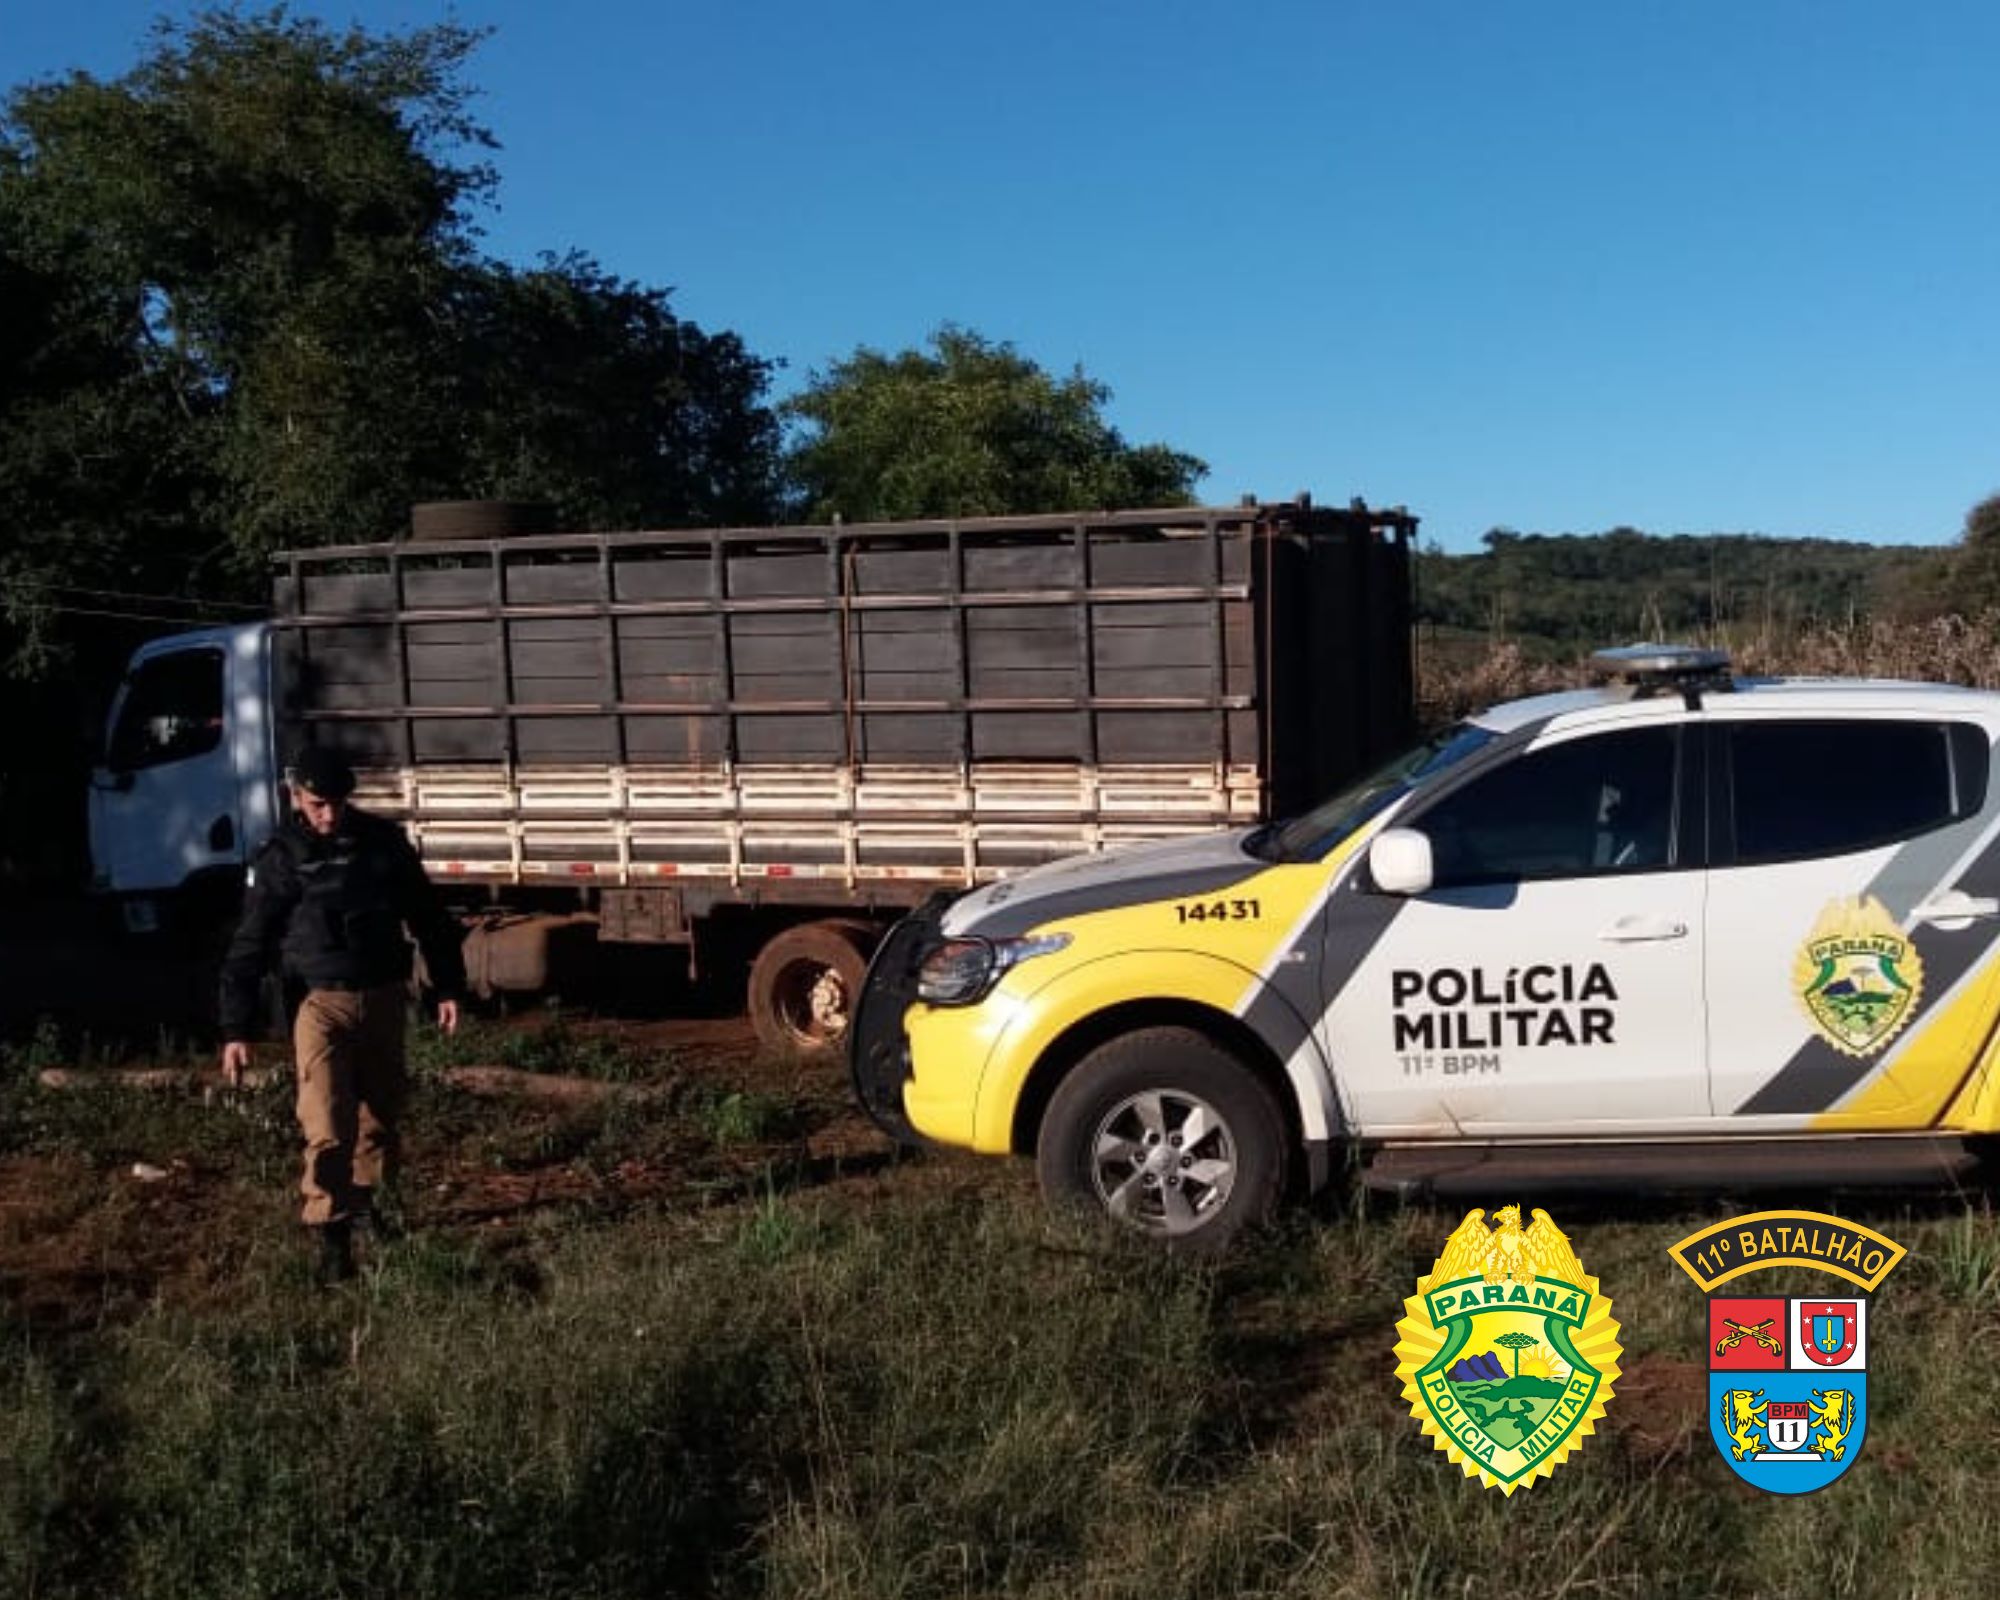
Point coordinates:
[(1749, 923)]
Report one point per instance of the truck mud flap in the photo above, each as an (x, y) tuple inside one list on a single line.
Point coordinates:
[(878, 1049)]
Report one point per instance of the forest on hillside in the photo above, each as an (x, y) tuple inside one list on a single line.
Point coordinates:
[(1556, 594)]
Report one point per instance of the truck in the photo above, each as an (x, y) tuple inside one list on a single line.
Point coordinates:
[(764, 745)]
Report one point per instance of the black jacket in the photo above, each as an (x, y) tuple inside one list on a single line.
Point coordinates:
[(334, 909)]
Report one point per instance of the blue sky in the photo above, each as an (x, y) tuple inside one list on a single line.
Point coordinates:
[(1549, 266)]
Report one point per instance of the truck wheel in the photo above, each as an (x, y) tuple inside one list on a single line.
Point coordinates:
[(805, 984), (1169, 1133)]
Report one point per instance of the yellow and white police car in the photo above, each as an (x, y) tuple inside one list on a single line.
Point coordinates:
[(1748, 923)]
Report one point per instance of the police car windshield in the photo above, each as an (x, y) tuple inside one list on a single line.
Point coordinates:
[(1311, 835)]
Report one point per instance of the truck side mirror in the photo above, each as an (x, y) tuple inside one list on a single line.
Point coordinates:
[(1400, 861)]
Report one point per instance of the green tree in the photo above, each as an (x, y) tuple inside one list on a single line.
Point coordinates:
[(253, 304), (1517, 1342), (244, 307), (585, 390), (276, 208), (1968, 577), (967, 427)]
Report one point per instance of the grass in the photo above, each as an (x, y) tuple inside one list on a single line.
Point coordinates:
[(940, 1392), (556, 1045)]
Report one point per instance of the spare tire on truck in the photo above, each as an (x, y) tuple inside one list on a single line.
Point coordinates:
[(480, 519), (805, 984)]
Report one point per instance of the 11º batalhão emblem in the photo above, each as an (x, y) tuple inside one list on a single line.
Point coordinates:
[(1858, 976), (1788, 1373), (1507, 1351)]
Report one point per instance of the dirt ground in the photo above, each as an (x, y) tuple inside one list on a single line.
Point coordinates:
[(88, 1234), (176, 1197)]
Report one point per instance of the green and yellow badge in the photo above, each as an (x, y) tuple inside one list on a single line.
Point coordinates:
[(1507, 1352), (1858, 976)]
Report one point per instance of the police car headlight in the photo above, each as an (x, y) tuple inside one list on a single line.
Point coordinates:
[(961, 971)]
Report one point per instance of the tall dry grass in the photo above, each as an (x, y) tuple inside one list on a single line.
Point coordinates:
[(1945, 649)]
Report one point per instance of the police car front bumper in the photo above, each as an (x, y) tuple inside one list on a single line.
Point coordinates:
[(878, 1045)]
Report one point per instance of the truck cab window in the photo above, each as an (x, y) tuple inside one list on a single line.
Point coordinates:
[(172, 710), (1594, 805)]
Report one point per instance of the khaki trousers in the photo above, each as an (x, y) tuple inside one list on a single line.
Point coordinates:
[(352, 1083)]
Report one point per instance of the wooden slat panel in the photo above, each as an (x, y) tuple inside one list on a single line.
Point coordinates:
[(1017, 735), (1026, 648), (1153, 735), (450, 586), (1128, 683), (931, 652), (555, 660), (693, 739), (799, 571), (451, 663), (783, 738), (566, 738), (995, 619), (640, 657), (573, 631), (916, 571), (1124, 649), (333, 592), (1124, 563), (459, 739), (544, 583), (768, 688), (644, 687), (348, 655), (661, 577), (909, 736), (1019, 567), (473, 631)]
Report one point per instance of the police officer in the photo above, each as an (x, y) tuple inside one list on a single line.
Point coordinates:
[(330, 895)]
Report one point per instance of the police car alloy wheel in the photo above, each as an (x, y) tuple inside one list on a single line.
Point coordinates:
[(1168, 1133)]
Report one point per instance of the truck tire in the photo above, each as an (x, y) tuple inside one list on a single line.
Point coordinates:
[(479, 519), (805, 984), (1169, 1133)]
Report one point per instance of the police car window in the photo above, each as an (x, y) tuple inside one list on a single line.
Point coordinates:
[(1332, 820), (172, 710), (1800, 789), (1587, 806)]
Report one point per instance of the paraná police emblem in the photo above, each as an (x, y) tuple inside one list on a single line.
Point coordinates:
[(1507, 1351), (1858, 976), (1788, 1374)]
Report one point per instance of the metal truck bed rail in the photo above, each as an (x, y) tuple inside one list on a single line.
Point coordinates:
[(619, 825)]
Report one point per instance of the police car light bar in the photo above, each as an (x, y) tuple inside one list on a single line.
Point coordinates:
[(1641, 661), (1651, 668)]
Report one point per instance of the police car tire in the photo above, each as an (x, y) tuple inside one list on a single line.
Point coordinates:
[(1168, 1060)]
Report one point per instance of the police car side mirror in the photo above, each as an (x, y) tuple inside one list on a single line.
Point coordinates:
[(1400, 861)]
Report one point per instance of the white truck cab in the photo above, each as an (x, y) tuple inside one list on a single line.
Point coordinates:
[(187, 786)]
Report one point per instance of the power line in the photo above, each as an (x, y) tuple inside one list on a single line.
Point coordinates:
[(144, 599), (130, 616)]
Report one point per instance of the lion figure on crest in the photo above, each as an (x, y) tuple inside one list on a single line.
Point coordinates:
[(1743, 1414), (1833, 1414)]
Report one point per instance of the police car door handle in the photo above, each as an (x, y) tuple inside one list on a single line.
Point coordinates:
[(1955, 909), (1640, 930)]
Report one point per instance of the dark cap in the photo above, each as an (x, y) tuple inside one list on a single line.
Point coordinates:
[(322, 772)]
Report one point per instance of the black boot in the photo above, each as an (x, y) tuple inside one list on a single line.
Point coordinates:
[(378, 1214), (336, 1253)]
